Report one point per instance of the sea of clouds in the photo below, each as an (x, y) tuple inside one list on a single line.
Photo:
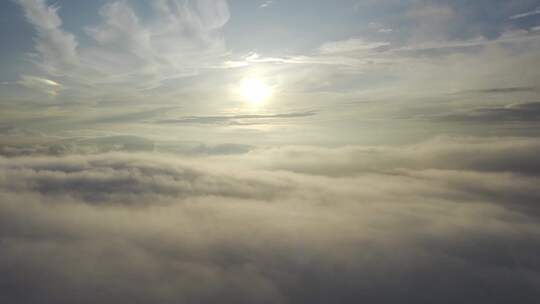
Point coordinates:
[(451, 220)]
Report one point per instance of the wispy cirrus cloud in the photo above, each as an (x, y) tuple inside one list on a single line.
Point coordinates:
[(526, 14), (506, 37), (57, 49), (126, 52)]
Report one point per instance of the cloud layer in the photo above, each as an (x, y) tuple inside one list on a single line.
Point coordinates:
[(125, 54), (132, 171), (446, 221)]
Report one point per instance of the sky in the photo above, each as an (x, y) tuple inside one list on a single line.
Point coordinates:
[(269, 151)]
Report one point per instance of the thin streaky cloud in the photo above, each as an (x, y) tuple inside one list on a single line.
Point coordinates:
[(223, 119), (526, 14)]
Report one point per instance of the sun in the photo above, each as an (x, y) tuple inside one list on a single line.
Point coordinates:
[(255, 90)]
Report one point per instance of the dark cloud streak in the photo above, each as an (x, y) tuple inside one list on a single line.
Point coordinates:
[(232, 119), (501, 90), (515, 113)]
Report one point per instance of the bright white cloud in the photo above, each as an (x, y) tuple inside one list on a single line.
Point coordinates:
[(351, 45), (266, 4), (57, 48), (129, 56), (47, 86)]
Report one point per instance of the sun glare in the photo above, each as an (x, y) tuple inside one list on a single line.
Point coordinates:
[(254, 90)]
